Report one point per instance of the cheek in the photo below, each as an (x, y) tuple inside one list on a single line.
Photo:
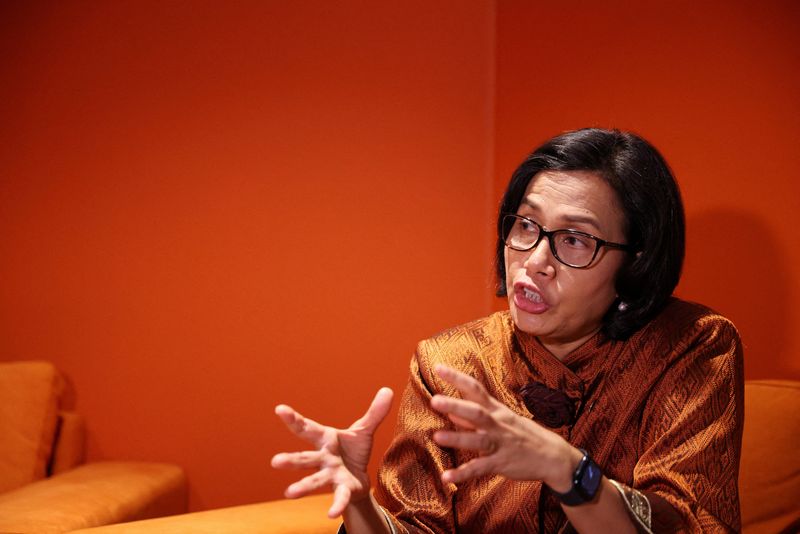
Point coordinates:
[(601, 290), (588, 289), (513, 267), (508, 267)]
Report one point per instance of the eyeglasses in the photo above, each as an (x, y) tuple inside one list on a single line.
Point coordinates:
[(570, 247)]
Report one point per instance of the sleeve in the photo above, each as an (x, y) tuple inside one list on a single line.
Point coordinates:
[(409, 479), (691, 436)]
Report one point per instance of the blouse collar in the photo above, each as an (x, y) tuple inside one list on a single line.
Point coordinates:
[(554, 390)]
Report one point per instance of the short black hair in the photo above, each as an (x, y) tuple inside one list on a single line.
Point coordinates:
[(650, 202)]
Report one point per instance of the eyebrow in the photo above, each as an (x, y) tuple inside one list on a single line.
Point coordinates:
[(569, 217)]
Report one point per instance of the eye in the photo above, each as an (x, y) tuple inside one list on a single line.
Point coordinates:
[(576, 241)]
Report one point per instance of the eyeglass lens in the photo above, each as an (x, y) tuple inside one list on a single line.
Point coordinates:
[(570, 247)]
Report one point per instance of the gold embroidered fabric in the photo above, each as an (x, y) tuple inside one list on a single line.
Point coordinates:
[(661, 413), (638, 506)]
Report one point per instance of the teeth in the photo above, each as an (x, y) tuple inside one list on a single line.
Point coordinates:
[(532, 295)]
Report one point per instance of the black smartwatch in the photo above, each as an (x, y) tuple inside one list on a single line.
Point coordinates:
[(585, 482)]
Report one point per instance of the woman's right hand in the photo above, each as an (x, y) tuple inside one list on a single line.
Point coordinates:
[(341, 456)]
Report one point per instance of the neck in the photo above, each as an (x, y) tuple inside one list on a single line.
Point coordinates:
[(562, 348), (558, 347)]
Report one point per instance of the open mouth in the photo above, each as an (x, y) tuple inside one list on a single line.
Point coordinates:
[(532, 296), (529, 299)]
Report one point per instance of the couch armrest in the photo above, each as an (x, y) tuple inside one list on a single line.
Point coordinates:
[(94, 494)]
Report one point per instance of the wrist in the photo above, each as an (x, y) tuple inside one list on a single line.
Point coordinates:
[(366, 516), (586, 482), (362, 495), (564, 468)]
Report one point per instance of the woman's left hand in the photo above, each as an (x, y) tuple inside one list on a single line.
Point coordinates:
[(510, 445)]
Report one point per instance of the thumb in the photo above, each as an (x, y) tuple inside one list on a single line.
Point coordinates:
[(377, 411)]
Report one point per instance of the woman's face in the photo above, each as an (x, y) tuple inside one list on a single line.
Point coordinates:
[(561, 305)]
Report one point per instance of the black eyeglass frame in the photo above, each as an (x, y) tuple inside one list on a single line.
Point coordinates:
[(512, 218)]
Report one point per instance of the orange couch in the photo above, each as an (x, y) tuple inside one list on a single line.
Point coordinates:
[(45, 487), (769, 473), (769, 482)]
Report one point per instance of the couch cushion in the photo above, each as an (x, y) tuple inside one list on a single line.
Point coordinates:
[(29, 393), (301, 516), (94, 494), (769, 477), (70, 443)]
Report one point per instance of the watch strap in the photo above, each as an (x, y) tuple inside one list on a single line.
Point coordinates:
[(582, 490)]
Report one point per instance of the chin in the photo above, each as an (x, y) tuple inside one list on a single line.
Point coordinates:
[(528, 323)]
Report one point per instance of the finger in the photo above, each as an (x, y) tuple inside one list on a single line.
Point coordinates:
[(468, 411), (341, 498), (297, 460), (308, 484), (463, 423), (473, 441), (470, 388), (377, 411), (467, 471), (302, 427)]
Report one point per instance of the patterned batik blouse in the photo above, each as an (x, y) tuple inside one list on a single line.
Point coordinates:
[(661, 413)]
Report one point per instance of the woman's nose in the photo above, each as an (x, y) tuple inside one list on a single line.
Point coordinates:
[(540, 258)]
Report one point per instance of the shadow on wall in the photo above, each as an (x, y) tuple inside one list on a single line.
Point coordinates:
[(737, 266)]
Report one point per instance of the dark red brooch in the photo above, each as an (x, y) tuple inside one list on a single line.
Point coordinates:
[(550, 407)]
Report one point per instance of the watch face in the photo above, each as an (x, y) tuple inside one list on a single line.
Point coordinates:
[(590, 480)]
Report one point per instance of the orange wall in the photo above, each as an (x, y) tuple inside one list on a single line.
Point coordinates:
[(716, 87), (208, 208)]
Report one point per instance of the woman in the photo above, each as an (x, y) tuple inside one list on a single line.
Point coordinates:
[(597, 402)]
